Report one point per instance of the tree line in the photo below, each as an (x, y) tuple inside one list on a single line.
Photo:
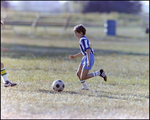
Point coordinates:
[(129, 7)]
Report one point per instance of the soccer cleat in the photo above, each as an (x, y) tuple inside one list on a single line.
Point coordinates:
[(85, 89), (103, 75), (8, 83)]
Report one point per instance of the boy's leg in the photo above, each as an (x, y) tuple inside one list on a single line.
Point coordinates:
[(85, 87), (85, 75), (79, 71), (101, 73)]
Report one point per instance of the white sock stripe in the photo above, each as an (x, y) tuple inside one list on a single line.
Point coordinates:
[(82, 81), (3, 69), (94, 74)]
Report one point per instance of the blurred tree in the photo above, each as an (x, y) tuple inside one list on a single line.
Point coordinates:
[(133, 7), (74, 6), (79, 6), (68, 7)]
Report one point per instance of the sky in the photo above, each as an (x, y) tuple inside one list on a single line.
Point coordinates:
[(146, 6), (145, 2)]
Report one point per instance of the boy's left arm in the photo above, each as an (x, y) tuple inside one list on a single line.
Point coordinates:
[(88, 56)]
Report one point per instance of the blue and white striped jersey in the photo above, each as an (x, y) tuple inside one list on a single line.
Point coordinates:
[(85, 44)]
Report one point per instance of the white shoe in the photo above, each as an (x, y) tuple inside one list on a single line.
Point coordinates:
[(85, 89), (8, 83)]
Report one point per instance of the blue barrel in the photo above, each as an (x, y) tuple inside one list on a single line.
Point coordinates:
[(110, 27)]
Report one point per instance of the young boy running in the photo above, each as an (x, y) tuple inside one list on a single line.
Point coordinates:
[(3, 71), (87, 61)]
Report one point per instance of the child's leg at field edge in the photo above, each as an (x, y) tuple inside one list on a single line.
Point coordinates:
[(82, 81), (3, 73), (5, 78)]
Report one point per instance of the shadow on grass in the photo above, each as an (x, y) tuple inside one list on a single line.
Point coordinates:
[(31, 51), (105, 95), (102, 94), (123, 96), (55, 92)]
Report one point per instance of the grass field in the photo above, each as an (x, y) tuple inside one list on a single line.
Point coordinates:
[(35, 62)]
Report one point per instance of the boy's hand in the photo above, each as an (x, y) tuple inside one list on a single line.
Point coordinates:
[(88, 64), (71, 56)]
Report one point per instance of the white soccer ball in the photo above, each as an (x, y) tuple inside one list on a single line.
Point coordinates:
[(58, 85)]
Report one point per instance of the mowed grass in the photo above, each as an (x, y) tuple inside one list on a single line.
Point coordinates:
[(35, 62)]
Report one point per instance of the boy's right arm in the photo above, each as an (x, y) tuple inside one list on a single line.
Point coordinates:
[(76, 55)]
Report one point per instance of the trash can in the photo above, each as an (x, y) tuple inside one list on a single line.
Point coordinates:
[(110, 27)]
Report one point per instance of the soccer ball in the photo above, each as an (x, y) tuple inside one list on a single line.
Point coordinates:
[(58, 85)]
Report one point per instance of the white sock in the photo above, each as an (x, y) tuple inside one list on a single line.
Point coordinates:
[(97, 73), (4, 75), (84, 84)]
